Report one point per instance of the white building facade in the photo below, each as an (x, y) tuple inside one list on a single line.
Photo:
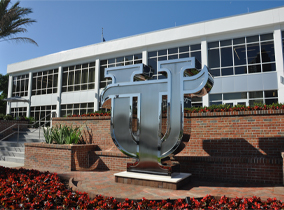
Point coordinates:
[(244, 54)]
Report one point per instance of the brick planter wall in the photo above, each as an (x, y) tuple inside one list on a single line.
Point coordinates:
[(230, 146), (4, 124), (58, 158)]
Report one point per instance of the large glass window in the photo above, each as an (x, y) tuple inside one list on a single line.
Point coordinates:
[(283, 43), (78, 77), (20, 85), (78, 109), (19, 111), (172, 53), (39, 112), (120, 61), (45, 82), (263, 97), (242, 55)]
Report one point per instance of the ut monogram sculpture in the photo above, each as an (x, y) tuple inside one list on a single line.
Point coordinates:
[(147, 145)]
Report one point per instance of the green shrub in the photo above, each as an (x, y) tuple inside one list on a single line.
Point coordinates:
[(2, 116), (30, 119), (8, 117)]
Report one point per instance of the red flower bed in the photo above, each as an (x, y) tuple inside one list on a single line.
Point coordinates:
[(31, 189)]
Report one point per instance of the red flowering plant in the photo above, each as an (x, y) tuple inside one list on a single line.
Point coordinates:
[(101, 112), (31, 189)]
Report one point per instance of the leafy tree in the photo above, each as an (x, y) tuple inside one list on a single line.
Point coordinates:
[(13, 21), (4, 80)]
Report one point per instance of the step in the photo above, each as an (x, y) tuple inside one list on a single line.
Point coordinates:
[(31, 133), (12, 153), (12, 149), (11, 164), (13, 159)]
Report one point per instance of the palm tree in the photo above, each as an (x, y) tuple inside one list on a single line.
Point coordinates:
[(13, 21)]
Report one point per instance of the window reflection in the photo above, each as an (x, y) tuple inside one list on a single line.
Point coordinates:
[(172, 53), (267, 52), (240, 55), (227, 71), (226, 57), (253, 53), (112, 62), (267, 97), (244, 52), (214, 58)]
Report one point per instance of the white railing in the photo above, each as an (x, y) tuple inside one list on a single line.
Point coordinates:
[(39, 122)]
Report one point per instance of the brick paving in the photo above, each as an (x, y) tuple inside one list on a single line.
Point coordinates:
[(102, 182)]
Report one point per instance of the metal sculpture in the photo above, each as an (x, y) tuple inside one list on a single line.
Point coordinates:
[(147, 144)]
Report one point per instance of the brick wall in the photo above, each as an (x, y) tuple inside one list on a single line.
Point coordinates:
[(230, 146), (109, 160), (4, 124), (58, 158), (96, 130)]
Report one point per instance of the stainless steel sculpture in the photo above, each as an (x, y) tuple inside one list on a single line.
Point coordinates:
[(147, 145)]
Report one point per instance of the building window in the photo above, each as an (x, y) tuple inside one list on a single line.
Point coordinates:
[(244, 55), (45, 82), (79, 77), (78, 109), (263, 97), (192, 102), (283, 43), (113, 62), (19, 111), (20, 85), (41, 112), (172, 53)]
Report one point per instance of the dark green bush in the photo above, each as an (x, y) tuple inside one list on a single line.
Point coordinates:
[(8, 117)]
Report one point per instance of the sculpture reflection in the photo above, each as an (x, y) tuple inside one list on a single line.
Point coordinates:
[(147, 143)]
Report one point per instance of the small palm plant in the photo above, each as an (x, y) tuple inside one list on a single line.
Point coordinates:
[(59, 134), (62, 135), (72, 136), (48, 135)]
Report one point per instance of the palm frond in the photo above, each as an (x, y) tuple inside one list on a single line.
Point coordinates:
[(22, 39), (13, 21)]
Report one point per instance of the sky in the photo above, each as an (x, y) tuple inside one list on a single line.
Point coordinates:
[(63, 25)]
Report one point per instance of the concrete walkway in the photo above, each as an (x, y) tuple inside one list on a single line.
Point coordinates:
[(102, 182), (11, 164)]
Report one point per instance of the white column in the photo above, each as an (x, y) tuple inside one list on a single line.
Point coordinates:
[(145, 57), (97, 86), (10, 88), (278, 49), (204, 58), (30, 94), (59, 90)]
